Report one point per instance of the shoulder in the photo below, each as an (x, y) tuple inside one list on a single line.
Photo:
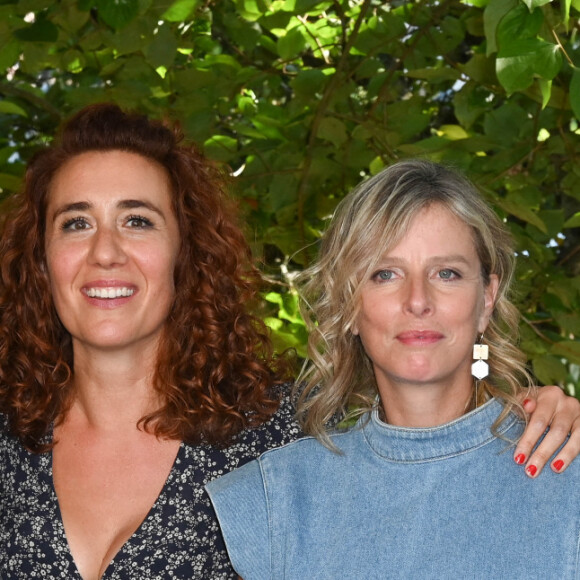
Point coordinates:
[(309, 454), (211, 461), (18, 466), (280, 429)]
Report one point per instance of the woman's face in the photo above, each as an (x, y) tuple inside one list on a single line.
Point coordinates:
[(111, 243), (424, 305)]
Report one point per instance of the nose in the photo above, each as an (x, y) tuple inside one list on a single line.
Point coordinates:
[(106, 248), (418, 299)]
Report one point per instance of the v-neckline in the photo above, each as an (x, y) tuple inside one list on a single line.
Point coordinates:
[(178, 460)]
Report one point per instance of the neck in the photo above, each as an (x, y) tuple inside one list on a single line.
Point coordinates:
[(112, 390), (422, 405)]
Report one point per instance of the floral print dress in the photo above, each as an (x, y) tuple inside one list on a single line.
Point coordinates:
[(179, 538)]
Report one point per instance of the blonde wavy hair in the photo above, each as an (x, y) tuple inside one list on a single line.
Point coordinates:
[(368, 222)]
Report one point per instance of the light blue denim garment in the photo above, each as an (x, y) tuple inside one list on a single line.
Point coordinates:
[(402, 503)]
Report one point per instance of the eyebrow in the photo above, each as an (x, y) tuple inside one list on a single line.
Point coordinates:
[(433, 259), (123, 204)]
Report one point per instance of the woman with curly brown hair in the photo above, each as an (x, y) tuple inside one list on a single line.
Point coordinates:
[(131, 373), (124, 332)]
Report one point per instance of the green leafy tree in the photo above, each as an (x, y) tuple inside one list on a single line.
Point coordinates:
[(304, 98)]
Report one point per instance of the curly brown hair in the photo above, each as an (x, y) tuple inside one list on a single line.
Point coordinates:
[(215, 370)]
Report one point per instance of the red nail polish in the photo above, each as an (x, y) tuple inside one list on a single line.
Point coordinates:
[(526, 401), (520, 458), (531, 470), (557, 465)]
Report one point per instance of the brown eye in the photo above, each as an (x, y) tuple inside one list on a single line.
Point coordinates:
[(75, 224), (139, 222)]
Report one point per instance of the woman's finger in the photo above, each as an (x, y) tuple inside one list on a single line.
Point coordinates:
[(561, 415)]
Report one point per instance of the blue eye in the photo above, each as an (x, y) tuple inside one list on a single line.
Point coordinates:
[(75, 224), (382, 275), (139, 222), (448, 274)]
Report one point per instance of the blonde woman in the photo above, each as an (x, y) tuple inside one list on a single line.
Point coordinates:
[(414, 272)]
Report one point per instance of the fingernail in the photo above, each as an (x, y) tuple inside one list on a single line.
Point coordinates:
[(557, 465), (526, 401), (520, 458), (531, 470)]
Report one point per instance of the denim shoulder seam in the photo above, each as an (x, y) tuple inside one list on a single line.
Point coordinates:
[(270, 513)]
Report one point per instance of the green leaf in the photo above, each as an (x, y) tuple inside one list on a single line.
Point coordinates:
[(376, 165), (333, 130), (10, 182), (163, 48), (504, 124), (549, 369), (522, 213), (180, 10), (267, 128), (569, 321), (9, 52), (480, 68), (518, 24), (568, 349), (532, 4), (282, 193), (453, 132), (40, 31), (249, 9), (546, 90), (74, 61), (575, 93), (468, 106), (291, 44), (220, 147), (565, 6), (309, 82), (573, 222), (563, 288), (117, 13), (10, 108), (287, 239), (492, 16), (517, 63)]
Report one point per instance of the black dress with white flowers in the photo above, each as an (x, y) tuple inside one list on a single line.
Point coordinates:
[(179, 538)]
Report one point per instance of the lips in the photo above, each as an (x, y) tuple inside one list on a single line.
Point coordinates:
[(419, 337)]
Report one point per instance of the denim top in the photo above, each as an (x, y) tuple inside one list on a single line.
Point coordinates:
[(443, 502)]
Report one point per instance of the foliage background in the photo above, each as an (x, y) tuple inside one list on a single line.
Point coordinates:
[(304, 98)]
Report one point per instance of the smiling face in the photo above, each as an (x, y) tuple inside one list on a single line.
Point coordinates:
[(111, 243), (424, 305)]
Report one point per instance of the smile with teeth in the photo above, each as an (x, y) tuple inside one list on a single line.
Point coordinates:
[(109, 292)]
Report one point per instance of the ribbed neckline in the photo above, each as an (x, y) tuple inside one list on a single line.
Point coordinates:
[(468, 432)]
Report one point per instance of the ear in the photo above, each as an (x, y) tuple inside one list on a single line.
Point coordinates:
[(489, 296)]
